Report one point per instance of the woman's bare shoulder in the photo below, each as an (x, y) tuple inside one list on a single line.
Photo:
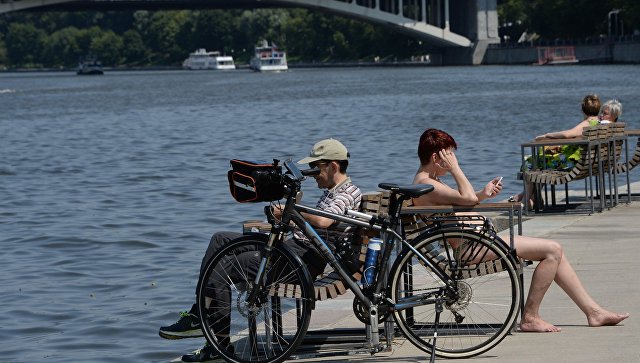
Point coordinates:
[(422, 178)]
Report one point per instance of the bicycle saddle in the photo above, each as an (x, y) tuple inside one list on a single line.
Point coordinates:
[(411, 191)]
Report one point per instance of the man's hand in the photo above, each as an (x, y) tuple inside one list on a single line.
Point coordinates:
[(277, 211)]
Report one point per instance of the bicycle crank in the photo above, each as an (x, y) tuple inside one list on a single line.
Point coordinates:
[(362, 312)]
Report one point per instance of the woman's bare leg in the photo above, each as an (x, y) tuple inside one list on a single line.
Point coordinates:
[(567, 279), (554, 266), (549, 253)]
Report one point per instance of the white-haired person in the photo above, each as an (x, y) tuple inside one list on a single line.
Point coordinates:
[(610, 111)]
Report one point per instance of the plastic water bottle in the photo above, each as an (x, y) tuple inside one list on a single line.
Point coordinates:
[(371, 261)]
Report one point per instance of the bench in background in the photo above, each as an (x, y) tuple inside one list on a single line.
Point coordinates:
[(601, 146)]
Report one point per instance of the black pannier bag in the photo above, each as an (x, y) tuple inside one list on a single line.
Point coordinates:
[(252, 181)]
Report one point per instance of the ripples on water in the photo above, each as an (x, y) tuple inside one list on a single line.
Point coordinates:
[(111, 186)]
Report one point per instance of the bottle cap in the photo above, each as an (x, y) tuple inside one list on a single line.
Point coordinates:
[(375, 244)]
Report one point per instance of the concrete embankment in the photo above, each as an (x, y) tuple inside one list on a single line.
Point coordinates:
[(618, 53)]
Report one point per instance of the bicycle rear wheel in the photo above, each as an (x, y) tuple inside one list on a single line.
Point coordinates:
[(272, 327), (480, 308)]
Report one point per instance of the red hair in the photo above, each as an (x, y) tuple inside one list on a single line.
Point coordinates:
[(432, 141)]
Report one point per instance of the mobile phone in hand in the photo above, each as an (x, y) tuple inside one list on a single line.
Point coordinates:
[(498, 181)]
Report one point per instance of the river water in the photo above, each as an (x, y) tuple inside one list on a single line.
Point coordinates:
[(111, 186)]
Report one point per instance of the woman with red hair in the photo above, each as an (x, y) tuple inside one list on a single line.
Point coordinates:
[(437, 158)]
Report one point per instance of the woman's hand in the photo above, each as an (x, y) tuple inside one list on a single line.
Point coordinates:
[(542, 137), (448, 160), (493, 188)]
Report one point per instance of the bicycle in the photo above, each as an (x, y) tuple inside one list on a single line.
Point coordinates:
[(436, 294)]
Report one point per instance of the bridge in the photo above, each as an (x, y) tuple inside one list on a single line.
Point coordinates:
[(458, 31)]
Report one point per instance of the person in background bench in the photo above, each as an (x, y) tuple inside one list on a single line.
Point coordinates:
[(610, 111), (332, 158), (590, 109), (437, 158)]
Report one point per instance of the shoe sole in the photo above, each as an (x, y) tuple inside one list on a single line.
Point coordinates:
[(181, 335), (207, 360)]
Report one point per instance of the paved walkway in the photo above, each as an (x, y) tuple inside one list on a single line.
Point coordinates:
[(604, 249)]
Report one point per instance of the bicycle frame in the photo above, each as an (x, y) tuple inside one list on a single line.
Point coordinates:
[(330, 257), (386, 227)]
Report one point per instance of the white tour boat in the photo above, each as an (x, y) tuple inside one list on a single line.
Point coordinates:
[(268, 58), (201, 59)]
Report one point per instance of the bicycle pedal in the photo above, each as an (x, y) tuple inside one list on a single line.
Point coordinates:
[(527, 263), (379, 348)]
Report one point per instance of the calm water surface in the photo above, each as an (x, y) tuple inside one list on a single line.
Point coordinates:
[(111, 186)]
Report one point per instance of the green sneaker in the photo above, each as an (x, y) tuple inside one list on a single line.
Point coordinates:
[(204, 354), (188, 326)]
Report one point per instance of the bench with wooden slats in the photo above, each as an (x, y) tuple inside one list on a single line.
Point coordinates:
[(594, 160), (330, 285), (418, 219), (634, 159), (589, 158)]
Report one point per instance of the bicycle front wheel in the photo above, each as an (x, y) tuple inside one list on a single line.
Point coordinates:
[(479, 308), (267, 328)]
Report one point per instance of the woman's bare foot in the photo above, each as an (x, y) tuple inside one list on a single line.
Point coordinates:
[(605, 317), (537, 325)]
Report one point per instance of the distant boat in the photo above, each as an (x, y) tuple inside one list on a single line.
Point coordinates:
[(201, 59), (268, 58), (89, 66), (556, 55)]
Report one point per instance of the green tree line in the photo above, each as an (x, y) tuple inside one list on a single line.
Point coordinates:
[(164, 38), (568, 19), (144, 38)]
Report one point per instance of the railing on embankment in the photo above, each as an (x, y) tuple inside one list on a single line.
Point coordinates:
[(624, 50)]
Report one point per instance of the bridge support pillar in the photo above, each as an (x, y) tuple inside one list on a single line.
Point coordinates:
[(478, 21)]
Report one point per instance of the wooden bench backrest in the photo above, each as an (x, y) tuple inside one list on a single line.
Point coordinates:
[(634, 159), (330, 285), (600, 132), (375, 203)]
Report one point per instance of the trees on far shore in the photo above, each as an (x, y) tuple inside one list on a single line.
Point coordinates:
[(165, 38)]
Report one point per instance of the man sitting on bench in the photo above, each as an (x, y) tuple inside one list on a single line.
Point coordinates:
[(332, 158)]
